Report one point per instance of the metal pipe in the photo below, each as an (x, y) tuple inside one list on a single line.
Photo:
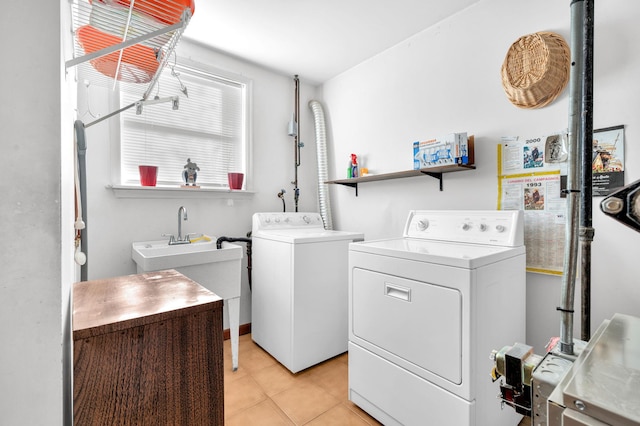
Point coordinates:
[(586, 207), (573, 174), (281, 196), (321, 152), (296, 136), (81, 142), (111, 114), (246, 240)]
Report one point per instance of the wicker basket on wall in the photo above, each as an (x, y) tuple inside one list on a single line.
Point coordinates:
[(536, 69)]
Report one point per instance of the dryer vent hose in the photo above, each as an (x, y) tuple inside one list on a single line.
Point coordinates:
[(324, 204)]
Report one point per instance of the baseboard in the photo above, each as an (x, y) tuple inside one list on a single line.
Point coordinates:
[(243, 329)]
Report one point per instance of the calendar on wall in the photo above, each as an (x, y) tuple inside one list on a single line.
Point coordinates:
[(530, 178)]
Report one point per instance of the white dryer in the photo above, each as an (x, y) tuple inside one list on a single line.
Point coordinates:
[(299, 310), (426, 310)]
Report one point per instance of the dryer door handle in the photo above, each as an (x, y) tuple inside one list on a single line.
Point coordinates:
[(398, 292)]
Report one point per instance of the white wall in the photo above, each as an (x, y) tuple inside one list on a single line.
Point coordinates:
[(447, 79), (35, 218), (114, 223)]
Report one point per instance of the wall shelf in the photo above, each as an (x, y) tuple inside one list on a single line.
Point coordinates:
[(435, 172)]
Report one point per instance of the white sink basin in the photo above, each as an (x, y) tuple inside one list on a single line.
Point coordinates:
[(218, 270), (158, 255)]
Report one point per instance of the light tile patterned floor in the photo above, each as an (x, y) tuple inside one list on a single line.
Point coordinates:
[(263, 392)]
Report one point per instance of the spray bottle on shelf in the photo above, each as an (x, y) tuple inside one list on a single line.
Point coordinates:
[(354, 165)]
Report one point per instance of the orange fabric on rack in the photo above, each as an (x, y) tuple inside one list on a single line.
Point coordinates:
[(139, 63)]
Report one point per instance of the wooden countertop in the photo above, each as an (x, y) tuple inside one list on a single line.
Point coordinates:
[(113, 304)]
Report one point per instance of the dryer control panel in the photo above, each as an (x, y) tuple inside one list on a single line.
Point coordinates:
[(283, 220), (489, 227)]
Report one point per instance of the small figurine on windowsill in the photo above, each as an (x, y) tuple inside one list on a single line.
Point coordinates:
[(190, 174)]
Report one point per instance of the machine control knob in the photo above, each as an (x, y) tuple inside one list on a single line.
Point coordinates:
[(277, 220), (500, 228), (306, 219), (268, 220), (465, 226), (483, 227), (422, 224), (286, 219)]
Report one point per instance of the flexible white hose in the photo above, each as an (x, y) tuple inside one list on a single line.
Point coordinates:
[(324, 204)]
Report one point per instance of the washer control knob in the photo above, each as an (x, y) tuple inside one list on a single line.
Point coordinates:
[(286, 219), (422, 224), (483, 227), (465, 226), (306, 219), (277, 220), (268, 220), (500, 228)]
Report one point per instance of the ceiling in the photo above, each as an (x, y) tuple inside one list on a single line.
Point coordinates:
[(315, 39)]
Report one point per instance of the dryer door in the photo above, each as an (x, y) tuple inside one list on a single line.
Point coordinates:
[(419, 322)]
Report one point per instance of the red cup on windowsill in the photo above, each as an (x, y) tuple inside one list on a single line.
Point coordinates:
[(235, 180), (148, 175)]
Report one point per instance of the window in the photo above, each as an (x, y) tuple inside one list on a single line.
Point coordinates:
[(209, 128)]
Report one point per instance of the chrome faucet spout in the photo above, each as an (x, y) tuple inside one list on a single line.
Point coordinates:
[(182, 213)]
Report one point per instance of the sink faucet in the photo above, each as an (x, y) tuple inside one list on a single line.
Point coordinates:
[(182, 215)]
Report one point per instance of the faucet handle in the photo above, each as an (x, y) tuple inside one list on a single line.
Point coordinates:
[(172, 239)]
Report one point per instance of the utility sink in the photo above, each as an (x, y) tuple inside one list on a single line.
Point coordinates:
[(218, 270), (158, 255)]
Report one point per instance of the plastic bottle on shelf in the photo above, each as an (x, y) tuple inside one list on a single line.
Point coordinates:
[(354, 166)]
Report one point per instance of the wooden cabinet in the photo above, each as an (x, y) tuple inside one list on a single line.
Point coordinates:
[(147, 351)]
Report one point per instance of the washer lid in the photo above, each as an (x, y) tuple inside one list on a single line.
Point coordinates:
[(307, 235), (461, 255)]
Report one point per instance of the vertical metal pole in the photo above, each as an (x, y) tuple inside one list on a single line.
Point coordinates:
[(586, 230), (573, 178), (296, 149), (81, 142)]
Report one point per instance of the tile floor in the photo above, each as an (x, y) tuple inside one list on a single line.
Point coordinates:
[(263, 392)]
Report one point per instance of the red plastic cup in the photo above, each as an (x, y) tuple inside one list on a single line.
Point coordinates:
[(148, 175), (235, 180)]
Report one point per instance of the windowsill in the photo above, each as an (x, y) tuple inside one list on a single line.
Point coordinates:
[(125, 191)]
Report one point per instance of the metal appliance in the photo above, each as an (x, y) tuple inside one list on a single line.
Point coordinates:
[(598, 385), (299, 293), (425, 311), (603, 385)]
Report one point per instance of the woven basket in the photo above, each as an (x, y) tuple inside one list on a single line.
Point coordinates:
[(536, 69)]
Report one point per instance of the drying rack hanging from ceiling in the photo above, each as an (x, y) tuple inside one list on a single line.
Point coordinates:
[(129, 41)]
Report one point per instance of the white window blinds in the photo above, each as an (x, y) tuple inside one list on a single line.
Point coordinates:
[(209, 127)]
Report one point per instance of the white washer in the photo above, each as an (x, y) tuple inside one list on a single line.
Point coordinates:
[(425, 312), (299, 310)]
